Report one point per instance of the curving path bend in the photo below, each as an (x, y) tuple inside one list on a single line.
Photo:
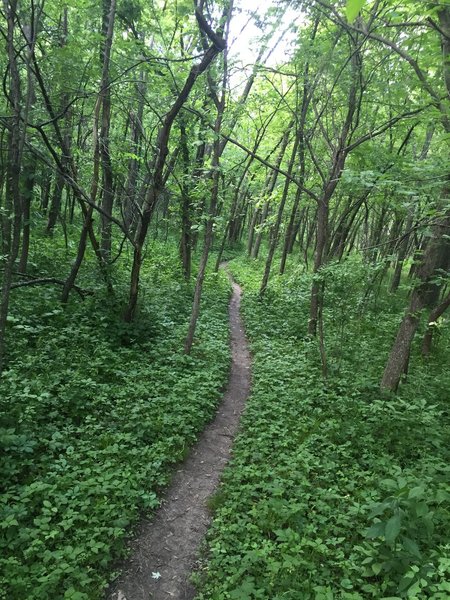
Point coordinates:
[(164, 553)]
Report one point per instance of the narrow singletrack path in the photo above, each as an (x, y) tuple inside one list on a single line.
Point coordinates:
[(165, 551)]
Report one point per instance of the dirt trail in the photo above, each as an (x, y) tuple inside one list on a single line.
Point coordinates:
[(168, 545)]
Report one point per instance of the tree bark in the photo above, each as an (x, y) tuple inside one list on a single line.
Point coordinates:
[(107, 173), (338, 162), (402, 253), (186, 221), (276, 228), (433, 317), (421, 297), (270, 186), (155, 189), (424, 292), (218, 148), (87, 225), (12, 220)]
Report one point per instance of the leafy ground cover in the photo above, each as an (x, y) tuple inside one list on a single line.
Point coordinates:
[(93, 413), (334, 490)]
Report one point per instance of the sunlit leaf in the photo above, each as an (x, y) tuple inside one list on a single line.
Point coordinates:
[(352, 9)]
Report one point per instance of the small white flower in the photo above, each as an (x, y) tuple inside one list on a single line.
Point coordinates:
[(156, 575)]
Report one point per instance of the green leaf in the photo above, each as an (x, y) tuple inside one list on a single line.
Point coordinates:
[(352, 9), (411, 547), (376, 568), (392, 529), (375, 530)]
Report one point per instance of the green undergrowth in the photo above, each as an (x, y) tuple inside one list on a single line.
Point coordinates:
[(93, 414), (335, 491)]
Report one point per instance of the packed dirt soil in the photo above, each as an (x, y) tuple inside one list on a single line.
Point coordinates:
[(164, 553)]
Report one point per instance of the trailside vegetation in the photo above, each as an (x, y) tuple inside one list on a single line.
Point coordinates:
[(332, 491), (94, 414)]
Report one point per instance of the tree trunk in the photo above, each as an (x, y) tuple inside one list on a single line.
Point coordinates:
[(402, 252), (27, 198), (270, 186), (397, 362), (422, 295), (251, 230), (218, 148), (12, 220), (129, 203), (217, 46), (60, 181), (290, 231), (338, 163), (434, 316), (186, 224), (321, 240), (87, 229), (276, 228), (55, 203), (105, 93)]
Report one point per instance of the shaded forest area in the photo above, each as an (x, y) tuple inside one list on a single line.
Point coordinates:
[(140, 147)]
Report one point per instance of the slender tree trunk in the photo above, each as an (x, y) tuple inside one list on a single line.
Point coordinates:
[(215, 168), (299, 230), (218, 148), (105, 92), (60, 181), (136, 129), (276, 227), (100, 104), (12, 219), (290, 231), (321, 239), (259, 235), (45, 194), (217, 46), (27, 198), (55, 203), (339, 157), (402, 252), (270, 186), (422, 295), (251, 230), (434, 316), (186, 224)]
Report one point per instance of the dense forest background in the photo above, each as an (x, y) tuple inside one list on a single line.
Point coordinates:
[(139, 149)]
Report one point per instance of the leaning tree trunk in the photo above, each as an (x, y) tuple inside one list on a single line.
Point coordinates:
[(339, 157), (217, 45), (397, 362), (421, 297), (218, 148)]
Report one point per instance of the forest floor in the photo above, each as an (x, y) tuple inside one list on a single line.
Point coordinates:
[(164, 552)]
